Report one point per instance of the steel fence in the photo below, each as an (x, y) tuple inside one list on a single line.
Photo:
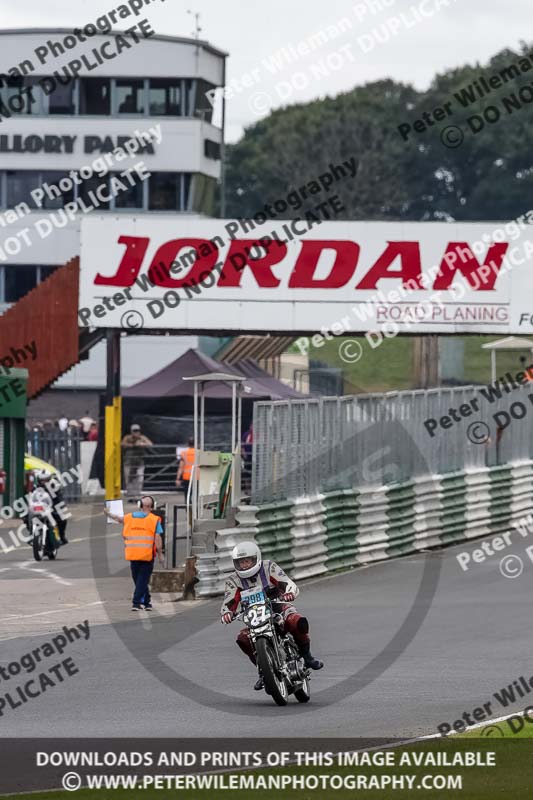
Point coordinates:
[(62, 450), (159, 468), (306, 446)]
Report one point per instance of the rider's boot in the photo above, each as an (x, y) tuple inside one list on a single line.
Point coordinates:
[(310, 661), (259, 684)]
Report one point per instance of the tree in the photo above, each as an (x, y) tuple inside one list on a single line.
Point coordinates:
[(489, 176)]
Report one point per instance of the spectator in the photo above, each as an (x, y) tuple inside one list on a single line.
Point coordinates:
[(246, 450), (133, 444), (86, 422), (128, 105), (92, 436), (62, 423), (185, 465)]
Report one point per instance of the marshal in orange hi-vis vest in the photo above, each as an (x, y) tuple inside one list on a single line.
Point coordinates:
[(188, 461), (139, 537)]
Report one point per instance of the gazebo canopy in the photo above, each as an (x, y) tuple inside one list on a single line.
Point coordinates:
[(174, 380), (509, 343), (502, 345)]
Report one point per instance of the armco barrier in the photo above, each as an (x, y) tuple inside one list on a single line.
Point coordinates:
[(315, 535)]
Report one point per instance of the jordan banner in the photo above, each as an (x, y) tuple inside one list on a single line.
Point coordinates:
[(301, 275)]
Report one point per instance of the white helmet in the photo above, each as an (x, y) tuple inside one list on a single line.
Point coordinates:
[(246, 550), (42, 475)]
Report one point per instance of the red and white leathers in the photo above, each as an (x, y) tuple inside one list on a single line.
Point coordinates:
[(270, 575)]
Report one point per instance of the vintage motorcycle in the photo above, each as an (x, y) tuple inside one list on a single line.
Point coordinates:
[(44, 533), (278, 659)]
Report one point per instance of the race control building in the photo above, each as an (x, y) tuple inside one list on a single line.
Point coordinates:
[(65, 104)]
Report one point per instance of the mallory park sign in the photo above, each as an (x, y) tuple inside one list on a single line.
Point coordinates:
[(51, 143), (300, 275)]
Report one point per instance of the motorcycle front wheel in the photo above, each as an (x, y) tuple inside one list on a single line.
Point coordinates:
[(36, 546), (266, 660), (51, 549), (36, 543), (303, 693)]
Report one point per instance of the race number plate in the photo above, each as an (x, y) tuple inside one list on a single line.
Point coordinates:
[(252, 596)]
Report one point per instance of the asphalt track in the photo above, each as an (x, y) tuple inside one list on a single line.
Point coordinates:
[(179, 673)]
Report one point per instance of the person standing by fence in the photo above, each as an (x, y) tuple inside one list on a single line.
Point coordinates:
[(133, 445), (247, 443), (186, 462), (142, 540)]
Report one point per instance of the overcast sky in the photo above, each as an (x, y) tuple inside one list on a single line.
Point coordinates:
[(464, 31)]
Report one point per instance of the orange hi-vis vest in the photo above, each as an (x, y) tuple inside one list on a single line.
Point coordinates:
[(139, 537), (188, 461)]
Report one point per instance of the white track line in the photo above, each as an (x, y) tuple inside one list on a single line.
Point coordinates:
[(12, 617), (45, 572)]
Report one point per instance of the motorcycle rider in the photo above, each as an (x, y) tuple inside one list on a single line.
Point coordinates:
[(45, 480), (252, 571)]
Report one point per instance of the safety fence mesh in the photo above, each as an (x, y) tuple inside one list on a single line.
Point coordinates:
[(319, 445)]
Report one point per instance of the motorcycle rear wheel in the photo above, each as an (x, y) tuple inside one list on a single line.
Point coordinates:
[(274, 686)]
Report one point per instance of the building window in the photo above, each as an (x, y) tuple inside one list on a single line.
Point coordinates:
[(187, 182), (95, 96), (129, 97), (55, 198), (61, 99), (133, 197), (204, 106), (45, 272), (16, 280), (19, 280), (93, 185), (212, 149), (25, 94), (169, 97), (165, 97), (164, 191), (203, 194), (189, 95), (19, 186)]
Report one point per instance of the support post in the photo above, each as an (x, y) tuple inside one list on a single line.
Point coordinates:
[(233, 445), (426, 361), (113, 417)]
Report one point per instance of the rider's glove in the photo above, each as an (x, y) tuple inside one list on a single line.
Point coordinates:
[(226, 618), (288, 597)]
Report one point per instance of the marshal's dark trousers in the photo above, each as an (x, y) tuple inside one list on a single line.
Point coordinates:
[(141, 572)]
